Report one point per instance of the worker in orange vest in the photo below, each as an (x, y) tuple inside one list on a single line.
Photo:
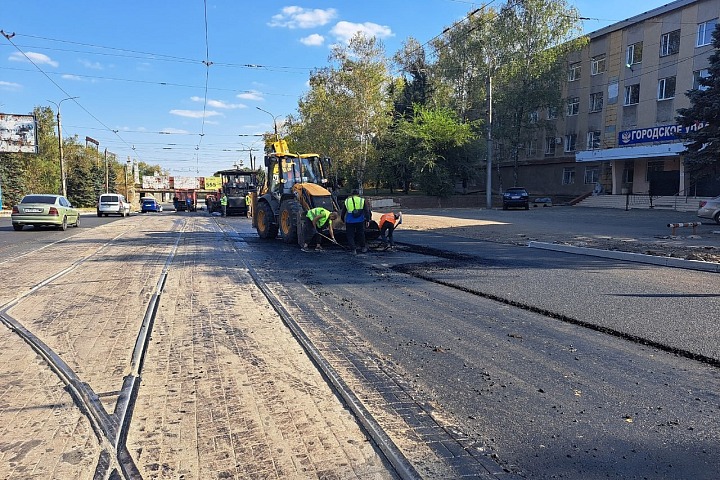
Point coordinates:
[(387, 224)]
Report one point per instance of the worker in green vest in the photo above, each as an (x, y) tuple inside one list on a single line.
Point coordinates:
[(356, 213), (223, 204), (248, 205), (316, 220)]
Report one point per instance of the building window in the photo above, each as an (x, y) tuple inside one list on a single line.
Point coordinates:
[(670, 43), (593, 140), (568, 175), (634, 53), (666, 88), (592, 175), (552, 113), (570, 141), (697, 75), (574, 72), (549, 145), (531, 148), (596, 102), (573, 106), (597, 65), (533, 117), (704, 32), (632, 94)]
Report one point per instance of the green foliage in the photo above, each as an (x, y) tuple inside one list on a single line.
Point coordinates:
[(426, 126), (346, 108), (12, 177), (703, 148)]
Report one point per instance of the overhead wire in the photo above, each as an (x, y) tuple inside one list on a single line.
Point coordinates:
[(9, 37)]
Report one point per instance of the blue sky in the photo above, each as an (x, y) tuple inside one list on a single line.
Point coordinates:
[(137, 67)]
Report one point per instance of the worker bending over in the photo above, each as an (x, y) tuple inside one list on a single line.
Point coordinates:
[(316, 220), (387, 224)]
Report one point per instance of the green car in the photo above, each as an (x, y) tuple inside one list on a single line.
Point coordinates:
[(44, 210)]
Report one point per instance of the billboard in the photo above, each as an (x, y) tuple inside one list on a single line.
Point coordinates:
[(18, 133), (213, 183), (155, 182), (190, 183)]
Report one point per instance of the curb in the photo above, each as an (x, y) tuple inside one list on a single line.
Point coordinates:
[(630, 257)]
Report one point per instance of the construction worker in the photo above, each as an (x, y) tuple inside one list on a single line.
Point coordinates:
[(223, 204), (317, 219), (248, 204), (355, 213), (387, 225)]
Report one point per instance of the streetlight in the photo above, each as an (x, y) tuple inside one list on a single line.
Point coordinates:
[(252, 160), (127, 192), (274, 121), (63, 184)]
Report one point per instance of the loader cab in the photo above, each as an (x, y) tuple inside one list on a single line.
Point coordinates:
[(284, 171)]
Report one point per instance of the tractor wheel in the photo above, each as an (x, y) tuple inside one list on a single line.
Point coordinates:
[(265, 221), (289, 211)]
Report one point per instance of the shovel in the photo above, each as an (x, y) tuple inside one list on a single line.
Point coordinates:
[(331, 240)]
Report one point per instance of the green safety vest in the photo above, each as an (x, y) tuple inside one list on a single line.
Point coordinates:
[(324, 215), (351, 205), (223, 201)]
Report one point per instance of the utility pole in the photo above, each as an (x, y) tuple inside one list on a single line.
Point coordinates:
[(107, 175), (488, 183), (63, 181)]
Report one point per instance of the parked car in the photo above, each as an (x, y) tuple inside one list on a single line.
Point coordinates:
[(113, 204), (149, 204), (516, 197), (710, 209), (44, 210)]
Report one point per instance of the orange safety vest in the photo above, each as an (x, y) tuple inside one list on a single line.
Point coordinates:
[(388, 217)]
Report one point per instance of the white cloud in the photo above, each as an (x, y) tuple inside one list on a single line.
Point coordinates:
[(72, 77), (314, 40), (37, 58), (178, 131), (250, 95), (298, 17), (219, 103), (344, 31), (10, 86), (194, 113), (91, 65)]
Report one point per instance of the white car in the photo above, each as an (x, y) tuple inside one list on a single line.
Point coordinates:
[(112, 204), (710, 209)]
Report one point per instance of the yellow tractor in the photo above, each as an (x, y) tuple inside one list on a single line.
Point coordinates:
[(294, 183)]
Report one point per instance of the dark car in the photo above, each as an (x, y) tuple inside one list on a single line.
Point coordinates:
[(516, 197), (149, 204)]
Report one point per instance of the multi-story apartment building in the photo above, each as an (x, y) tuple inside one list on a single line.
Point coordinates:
[(617, 131)]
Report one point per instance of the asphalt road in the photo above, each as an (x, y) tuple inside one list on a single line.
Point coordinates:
[(544, 359), (552, 395)]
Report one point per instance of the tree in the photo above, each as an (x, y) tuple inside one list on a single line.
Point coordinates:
[(346, 107), (432, 138), (703, 147), (536, 37), (12, 177)]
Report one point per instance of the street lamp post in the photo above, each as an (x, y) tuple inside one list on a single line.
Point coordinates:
[(63, 184), (274, 121), (252, 160), (127, 167)]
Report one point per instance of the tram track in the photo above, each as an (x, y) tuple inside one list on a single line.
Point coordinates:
[(110, 428), (337, 353)]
